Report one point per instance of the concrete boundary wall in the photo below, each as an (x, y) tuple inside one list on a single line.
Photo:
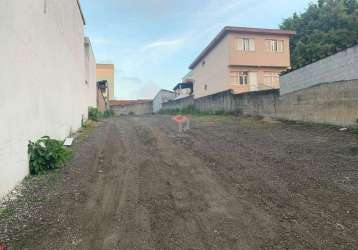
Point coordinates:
[(333, 103), (133, 109), (179, 104), (338, 67)]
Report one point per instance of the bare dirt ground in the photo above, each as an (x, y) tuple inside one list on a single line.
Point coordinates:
[(228, 183)]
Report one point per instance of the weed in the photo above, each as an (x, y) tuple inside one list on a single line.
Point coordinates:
[(46, 154), (94, 114), (108, 113)]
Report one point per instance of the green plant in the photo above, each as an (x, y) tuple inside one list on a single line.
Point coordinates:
[(46, 154), (325, 27), (93, 113), (191, 110), (108, 113), (355, 128)]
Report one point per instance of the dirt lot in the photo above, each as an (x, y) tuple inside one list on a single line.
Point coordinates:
[(228, 183)]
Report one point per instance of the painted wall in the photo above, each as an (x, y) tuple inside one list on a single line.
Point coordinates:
[(260, 71), (106, 72), (42, 78), (162, 96), (90, 96), (338, 67), (261, 56), (214, 72)]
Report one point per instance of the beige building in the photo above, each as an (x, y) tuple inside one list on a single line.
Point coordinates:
[(241, 59), (106, 72)]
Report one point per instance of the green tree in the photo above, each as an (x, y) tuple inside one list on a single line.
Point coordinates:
[(323, 29)]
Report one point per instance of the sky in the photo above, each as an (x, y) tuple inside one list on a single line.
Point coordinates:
[(153, 42)]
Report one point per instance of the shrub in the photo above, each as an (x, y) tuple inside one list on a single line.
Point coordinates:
[(108, 113), (93, 113), (46, 154)]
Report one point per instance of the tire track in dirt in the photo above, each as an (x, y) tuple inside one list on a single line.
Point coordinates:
[(136, 184)]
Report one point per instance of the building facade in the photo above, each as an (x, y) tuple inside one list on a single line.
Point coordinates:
[(47, 78), (243, 60), (106, 72), (162, 97)]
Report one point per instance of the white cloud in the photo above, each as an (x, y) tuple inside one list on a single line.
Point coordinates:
[(165, 44), (150, 55)]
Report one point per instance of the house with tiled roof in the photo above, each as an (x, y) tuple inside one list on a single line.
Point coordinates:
[(243, 60)]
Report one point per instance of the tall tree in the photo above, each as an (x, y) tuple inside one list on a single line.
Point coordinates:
[(323, 29)]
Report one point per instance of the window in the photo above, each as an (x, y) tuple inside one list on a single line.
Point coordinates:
[(205, 87), (242, 78), (274, 45), (245, 44), (271, 79)]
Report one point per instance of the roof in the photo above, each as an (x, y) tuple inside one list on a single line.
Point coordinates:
[(83, 17), (163, 90), (127, 102), (183, 85), (246, 30), (105, 65)]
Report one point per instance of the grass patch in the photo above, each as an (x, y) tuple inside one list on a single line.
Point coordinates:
[(86, 130), (94, 114), (191, 110)]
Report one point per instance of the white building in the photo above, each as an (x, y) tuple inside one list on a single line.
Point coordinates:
[(47, 78), (162, 97)]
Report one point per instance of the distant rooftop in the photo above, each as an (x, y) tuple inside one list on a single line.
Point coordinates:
[(105, 65), (127, 102), (183, 85)]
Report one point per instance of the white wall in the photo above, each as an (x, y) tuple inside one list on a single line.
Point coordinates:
[(162, 97), (42, 78)]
